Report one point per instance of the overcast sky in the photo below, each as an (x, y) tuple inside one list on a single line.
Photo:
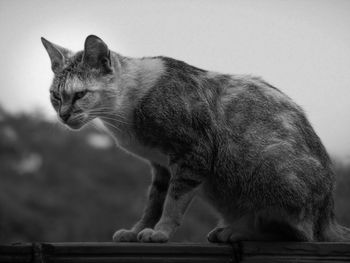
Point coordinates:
[(302, 47)]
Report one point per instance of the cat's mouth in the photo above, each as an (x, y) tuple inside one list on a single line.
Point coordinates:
[(75, 123)]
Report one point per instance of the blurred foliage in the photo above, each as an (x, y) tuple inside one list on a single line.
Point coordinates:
[(60, 186)]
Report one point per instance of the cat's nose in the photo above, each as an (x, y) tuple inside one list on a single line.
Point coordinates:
[(64, 116)]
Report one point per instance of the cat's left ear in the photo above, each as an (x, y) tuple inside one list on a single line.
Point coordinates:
[(57, 54), (97, 54)]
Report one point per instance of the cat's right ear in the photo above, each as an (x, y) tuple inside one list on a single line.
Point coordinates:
[(97, 54), (57, 54)]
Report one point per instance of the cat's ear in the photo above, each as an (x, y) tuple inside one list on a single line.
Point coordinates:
[(97, 54), (57, 54)]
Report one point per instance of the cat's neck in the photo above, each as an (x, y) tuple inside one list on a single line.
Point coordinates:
[(134, 78), (138, 75)]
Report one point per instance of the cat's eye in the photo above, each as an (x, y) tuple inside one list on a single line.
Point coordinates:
[(80, 94)]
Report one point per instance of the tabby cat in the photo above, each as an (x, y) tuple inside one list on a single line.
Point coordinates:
[(241, 143)]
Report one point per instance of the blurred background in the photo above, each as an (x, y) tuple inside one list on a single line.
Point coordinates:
[(58, 185)]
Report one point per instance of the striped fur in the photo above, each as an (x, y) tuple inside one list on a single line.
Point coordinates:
[(243, 142)]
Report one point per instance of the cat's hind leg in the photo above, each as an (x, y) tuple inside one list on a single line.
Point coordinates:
[(154, 207), (281, 208), (285, 193), (282, 225)]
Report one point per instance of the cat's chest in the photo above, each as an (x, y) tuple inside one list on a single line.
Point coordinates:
[(131, 145), (153, 155), (134, 147)]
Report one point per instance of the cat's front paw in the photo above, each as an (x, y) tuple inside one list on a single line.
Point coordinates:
[(124, 235), (150, 235), (224, 235)]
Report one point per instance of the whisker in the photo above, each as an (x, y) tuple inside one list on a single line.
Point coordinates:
[(105, 112), (112, 126), (78, 117), (108, 111), (111, 116), (115, 119)]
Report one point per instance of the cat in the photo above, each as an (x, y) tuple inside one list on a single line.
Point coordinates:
[(240, 142)]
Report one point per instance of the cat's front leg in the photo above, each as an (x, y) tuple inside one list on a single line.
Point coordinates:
[(154, 207), (182, 189)]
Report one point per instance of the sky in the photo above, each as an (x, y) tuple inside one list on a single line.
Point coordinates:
[(301, 47)]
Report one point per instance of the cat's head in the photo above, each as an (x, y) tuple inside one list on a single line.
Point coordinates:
[(82, 88)]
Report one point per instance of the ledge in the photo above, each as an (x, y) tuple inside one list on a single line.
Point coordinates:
[(248, 252)]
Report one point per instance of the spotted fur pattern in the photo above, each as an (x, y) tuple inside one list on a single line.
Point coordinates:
[(238, 140)]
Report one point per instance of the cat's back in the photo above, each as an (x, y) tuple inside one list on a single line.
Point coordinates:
[(253, 96), (189, 104), (258, 118)]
